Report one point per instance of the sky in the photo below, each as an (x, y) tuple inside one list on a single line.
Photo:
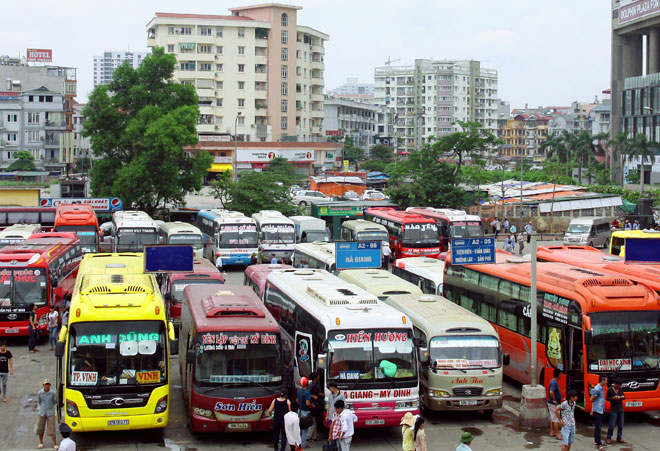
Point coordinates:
[(546, 53)]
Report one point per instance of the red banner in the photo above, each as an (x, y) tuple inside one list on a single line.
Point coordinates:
[(39, 55)]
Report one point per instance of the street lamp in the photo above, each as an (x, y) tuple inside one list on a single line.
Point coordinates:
[(235, 144)]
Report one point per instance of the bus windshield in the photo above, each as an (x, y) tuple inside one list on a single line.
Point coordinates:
[(318, 236), (368, 355), (415, 235), (238, 236), (280, 233), (179, 285), (628, 340), (135, 239), (372, 236), (465, 229), (87, 234), (186, 238), (230, 360), (464, 352), (111, 353), (22, 287)]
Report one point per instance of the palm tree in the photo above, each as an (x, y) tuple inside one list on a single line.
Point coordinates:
[(646, 151), (584, 150), (620, 147)]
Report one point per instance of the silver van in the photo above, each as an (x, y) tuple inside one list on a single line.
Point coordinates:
[(588, 231)]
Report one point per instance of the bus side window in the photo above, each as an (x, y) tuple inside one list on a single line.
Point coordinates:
[(616, 245), (506, 315), (427, 286), (417, 332)]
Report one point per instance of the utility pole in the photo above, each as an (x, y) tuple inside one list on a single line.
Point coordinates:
[(520, 213), (533, 304)]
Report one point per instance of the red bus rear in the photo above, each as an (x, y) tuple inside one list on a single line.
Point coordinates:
[(230, 362), (41, 270), (255, 276), (80, 219), (411, 235)]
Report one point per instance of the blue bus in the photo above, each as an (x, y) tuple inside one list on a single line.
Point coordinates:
[(230, 235)]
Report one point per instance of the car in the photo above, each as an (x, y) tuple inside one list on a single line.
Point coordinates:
[(306, 197), (372, 194)]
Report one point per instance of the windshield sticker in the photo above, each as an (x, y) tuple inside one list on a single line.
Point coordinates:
[(365, 337), (148, 377), (555, 307), (134, 230), (349, 375), (84, 378), (614, 364), (217, 340), (464, 363), (275, 229), (219, 379), (423, 226), (5, 302), (235, 228), (375, 394), (464, 342)]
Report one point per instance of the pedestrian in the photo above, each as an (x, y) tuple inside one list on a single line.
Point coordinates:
[(253, 259), (615, 396), (466, 441), (305, 406), (292, 430), (335, 427), (615, 223), (277, 410), (335, 395), (287, 376), (636, 225), (513, 229), (496, 225), (628, 226), (346, 420), (66, 444), (407, 423), (53, 319), (273, 261), (566, 414), (554, 400), (32, 329), (509, 243), (419, 435), (521, 243), (218, 263), (506, 225), (316, 394), (65, 316), (46, 399), (386, 257), (529, 228), (6, 367), (598, 409)]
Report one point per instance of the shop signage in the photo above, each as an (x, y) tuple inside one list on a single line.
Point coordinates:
[(340, 211), (39, 55), (630, 10), (261, 156), (98, 204), (9, 95)]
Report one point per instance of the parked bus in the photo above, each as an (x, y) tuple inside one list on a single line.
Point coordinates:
[(27, 215), (255, 276), (41, 270), (352, 338), (204, 273), (113, 358), (132, 230), (465, 366), (182, 233), (619, 238), (590, 324), (310, 229), (277, 235), (361, 230), (426, 273), (80, 219), (315, 255), (230, 359), (18, 233), (379, 282), (411, 235), (228, 234), (451, 223)]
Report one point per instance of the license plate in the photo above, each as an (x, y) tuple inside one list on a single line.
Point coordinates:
[(117, 422), (374, 422), (634, 404), (467, 403), (238, 426), (11, 331)]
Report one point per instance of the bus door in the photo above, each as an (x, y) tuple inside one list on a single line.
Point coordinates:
[(303, 349)]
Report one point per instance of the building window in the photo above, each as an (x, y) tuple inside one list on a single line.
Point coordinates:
[(218, 67), (188, 65), (241, 67), (241, 102), (285, 20), (285, 54), (30, 98), (185, 30), (12, 118), (241, 50), (204, 49), (170, 30), (170, 48), (11, 137), (285, 37), (33, 136), (285, 88), (284, 123), (218, 102), (218, 119), (218, 49), (241, 120), (33, 118), (205, 67), (218, 85), (284, 106), (241, 85), (205, 31), (218, 32), (285, 71), (241, 32)]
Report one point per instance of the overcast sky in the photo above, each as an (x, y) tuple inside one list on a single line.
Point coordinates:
[(546, 53)]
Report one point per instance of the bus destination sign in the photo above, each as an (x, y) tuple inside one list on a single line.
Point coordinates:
[(472, 251)]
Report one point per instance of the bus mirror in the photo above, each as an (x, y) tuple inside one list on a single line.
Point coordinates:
[(321, 360), (418, 342), (59, 349), (190, 357), (174, 347), (423, 355), (506, 359), (587, 337), (170, 330)]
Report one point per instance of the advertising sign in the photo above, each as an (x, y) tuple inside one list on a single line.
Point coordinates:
[(214, 138), (98, 204), (264, 156), (340, 211), (9, 95), (39, 55), (177, 258), (333, 133), (358, 255), (472, 251), (630, 10)]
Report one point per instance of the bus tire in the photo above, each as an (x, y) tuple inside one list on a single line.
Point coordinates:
[(302, 203)]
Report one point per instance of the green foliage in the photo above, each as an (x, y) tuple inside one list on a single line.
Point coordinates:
[(285, 171), (222, 188), (633, 176), (374, 166), (352, 153), (644, 149), (83, 165), (24, 162), (255, 191), (139, 124), (381, 152), (470, 142)]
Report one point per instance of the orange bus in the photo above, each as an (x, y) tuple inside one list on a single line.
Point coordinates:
[(81, 220), (590, 323)]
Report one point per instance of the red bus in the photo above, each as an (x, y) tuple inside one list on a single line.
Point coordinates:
[(27, 215), (451, 223), (80, 219), (40, 270), (590, 323), (411, 235), (229, 358), (255, 276)]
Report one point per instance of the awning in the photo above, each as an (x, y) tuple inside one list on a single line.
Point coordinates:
[(219, 167)]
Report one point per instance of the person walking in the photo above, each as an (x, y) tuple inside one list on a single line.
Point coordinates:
[(6, 367), (287, 376), (419, 435), (346, 420), (277, 410), (466, 441), (316, 395), (615, 396), (66, 444), (386, 257), (554, 400), (521, 243), (292, 430), (218, 263), (529, 228), (497, 226), (53, 320), (513, 229), (32, 329), (305, 406), (335, 395), (598, 409), (566, 413), (407, 439), (506, 225), (509, 244), (46, 400)]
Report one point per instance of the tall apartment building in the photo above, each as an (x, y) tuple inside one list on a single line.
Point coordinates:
[(105, 65), (257, 72), (429, 97)]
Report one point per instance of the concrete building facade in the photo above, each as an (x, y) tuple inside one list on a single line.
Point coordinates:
[(363, 122), (105, 65)]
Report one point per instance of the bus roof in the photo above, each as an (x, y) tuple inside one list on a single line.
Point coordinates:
[(75, 214), (229, 308), (308, 219), (225, 216), (179, 227), (259, 273), (201, 268), (430, 268), (437, 315), (362, 225), (132, 218), (379, 282), (20, 231), (335, 303), (271, 217), (37, 250), (397, 215), (318, 249), (443, 213)]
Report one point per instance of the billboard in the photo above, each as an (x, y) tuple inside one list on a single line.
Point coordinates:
[(264, 156), (39, 55), (630, 10), (98, 204)]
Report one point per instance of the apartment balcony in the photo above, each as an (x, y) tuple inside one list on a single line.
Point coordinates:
[(207, 128), (315, 81), (52, 141), (317, 98), (317, 114), (317, 49), (10, 144), (261, 94), (318, 65), (261, 77), (260, 105)]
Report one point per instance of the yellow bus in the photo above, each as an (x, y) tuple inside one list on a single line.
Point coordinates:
[(618, 240), (112, 358), (379, 282)]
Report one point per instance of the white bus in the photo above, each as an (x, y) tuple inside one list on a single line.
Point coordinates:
[(379, 282), (426, 273), (315, 255), (277, 235), (132, 230), (182, 233), (362, 344), (310, 229), (18, 233), (230, 235)]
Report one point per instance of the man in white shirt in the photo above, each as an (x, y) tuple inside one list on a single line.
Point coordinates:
[(292, 429), (66, 444), (347, 418), (386, 256), (218, 263)]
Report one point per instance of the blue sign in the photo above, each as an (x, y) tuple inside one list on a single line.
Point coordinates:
[(642, 250), (472, 251), (168, 258), (358, 254)]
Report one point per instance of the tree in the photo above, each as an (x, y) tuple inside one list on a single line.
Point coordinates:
[(381, 152), (285, 171), (646, 151), (475, 176), (24, 162), (619, 147), (374, 166), (138, 125), (255, 191), (222, 188), (352, 153), (584, 150), (470, 142)]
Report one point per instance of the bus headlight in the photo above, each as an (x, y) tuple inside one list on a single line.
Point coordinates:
[(202, 412), (439, 393), (72, 409), (161, 406), (494, 392), (406, 404)]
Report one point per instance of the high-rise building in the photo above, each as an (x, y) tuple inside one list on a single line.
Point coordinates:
[(105, 65), (429, 97), (258, 73)]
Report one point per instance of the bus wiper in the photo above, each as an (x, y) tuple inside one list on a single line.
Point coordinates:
[(132, 376), (96, 385)]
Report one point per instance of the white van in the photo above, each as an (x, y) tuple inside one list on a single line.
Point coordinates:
[(310, 229), (588, 230)]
